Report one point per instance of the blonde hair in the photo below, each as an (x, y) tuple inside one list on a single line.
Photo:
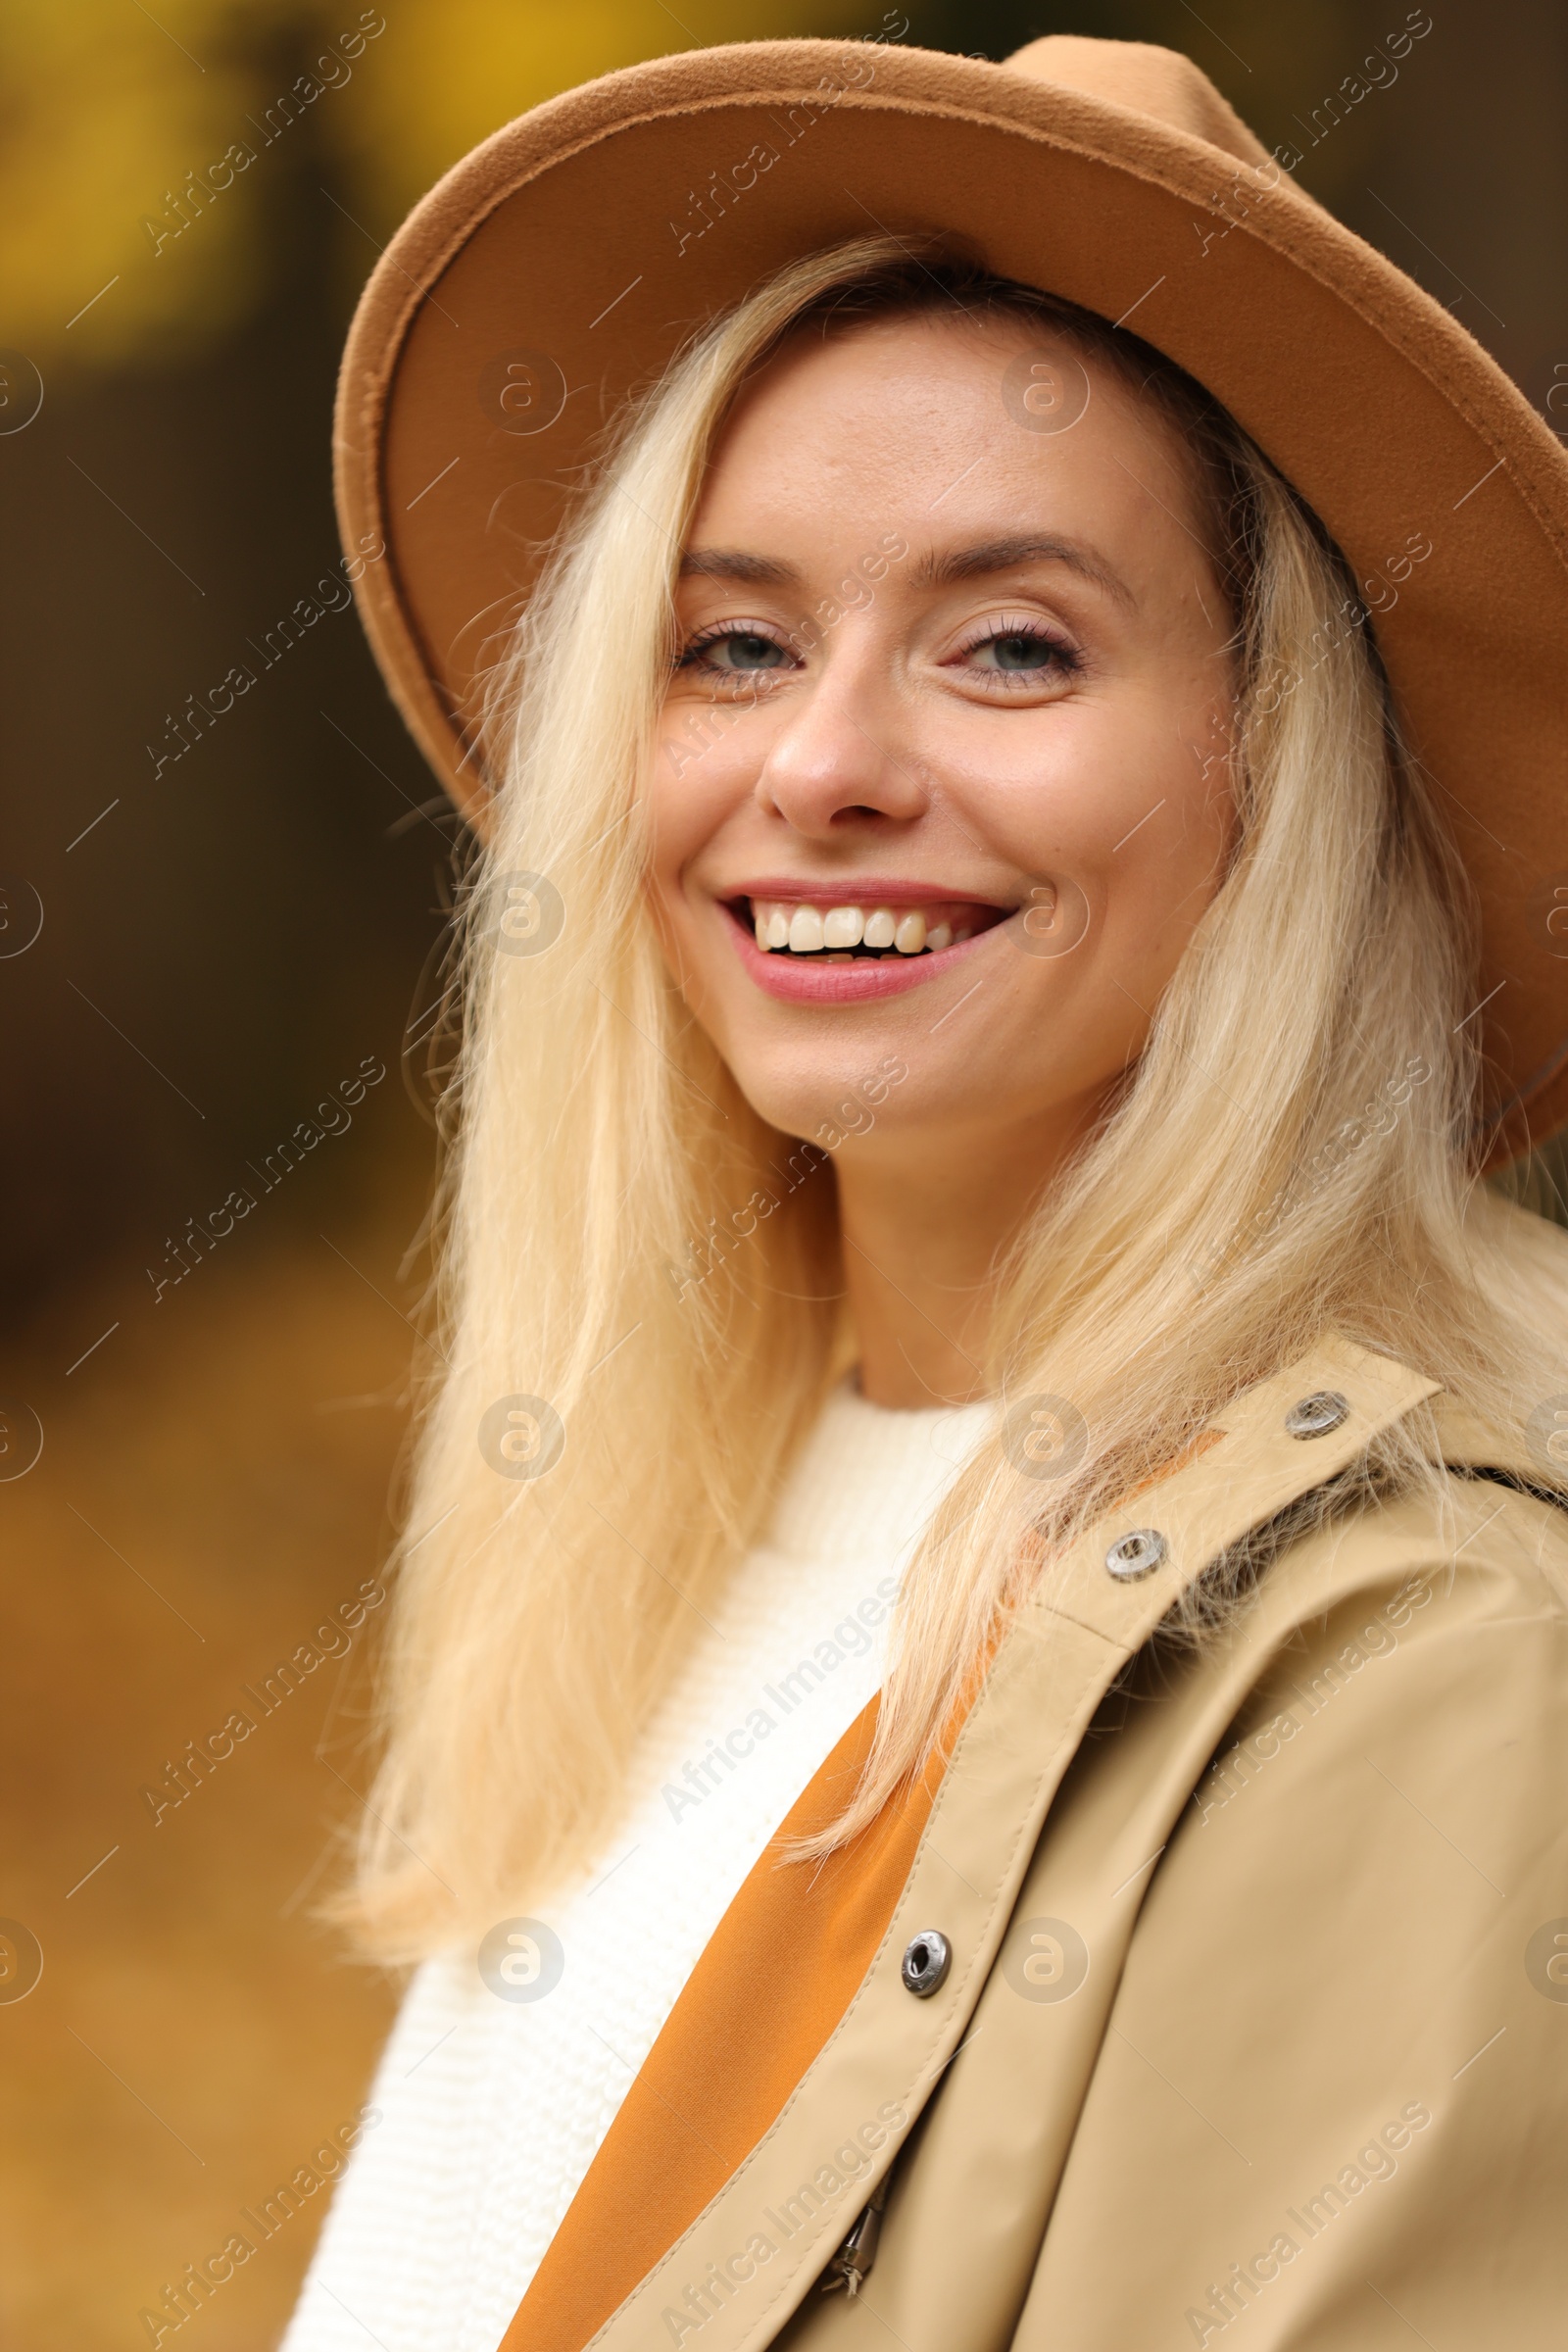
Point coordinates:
[(624, 1240)]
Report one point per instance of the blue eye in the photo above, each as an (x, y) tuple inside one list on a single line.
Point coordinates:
[(1024, 653), (735, 651)]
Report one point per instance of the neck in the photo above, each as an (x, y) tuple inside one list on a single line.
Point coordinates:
[(924, 1230)]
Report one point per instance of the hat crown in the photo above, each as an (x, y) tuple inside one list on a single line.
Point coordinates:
[(1146, 80)]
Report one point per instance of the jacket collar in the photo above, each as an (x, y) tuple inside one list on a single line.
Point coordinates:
[(740, 2157)]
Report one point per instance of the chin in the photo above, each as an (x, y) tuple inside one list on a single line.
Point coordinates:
[(806, 1112)]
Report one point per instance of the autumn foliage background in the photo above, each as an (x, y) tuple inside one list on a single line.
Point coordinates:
[(200, 958)]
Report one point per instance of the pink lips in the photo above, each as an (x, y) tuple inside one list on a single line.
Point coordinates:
[(796, 980)]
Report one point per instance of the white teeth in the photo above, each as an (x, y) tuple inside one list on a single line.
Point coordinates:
[(811, 930)]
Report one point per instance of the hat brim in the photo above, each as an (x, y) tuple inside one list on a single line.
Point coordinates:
[(563, 263)]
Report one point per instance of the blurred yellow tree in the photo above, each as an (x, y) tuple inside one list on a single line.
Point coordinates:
[(135, 142)]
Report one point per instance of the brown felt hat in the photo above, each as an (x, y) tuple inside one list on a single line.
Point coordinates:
[(564, 261)]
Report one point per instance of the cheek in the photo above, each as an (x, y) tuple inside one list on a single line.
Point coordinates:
[(1129, 817), (1171, 854), (1162, 883), (698, 792), (1099, 785), (691, 788)]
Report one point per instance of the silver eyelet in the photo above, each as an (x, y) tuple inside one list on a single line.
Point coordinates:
[(926, 1962), (1315, 1415), (1136, 1555)]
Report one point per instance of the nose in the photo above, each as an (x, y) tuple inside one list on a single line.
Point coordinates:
[(841, 757)]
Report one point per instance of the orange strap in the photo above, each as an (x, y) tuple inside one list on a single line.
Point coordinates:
[(783, 1966)]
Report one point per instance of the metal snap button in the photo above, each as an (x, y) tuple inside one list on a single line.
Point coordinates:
[(926, 1962), (1136, 1555), (1315, 1415)]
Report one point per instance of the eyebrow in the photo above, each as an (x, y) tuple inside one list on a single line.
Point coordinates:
[(733, 564), (1003, 555), (986, 555)]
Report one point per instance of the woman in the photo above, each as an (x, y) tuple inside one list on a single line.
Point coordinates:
[(999, 956)]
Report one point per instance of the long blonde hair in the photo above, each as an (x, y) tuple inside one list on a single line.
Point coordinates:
[(640, 1286)]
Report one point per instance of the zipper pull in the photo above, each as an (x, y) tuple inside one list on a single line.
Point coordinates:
[(851, 2266)]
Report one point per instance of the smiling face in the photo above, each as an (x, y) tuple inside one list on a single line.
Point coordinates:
[(942, 785)]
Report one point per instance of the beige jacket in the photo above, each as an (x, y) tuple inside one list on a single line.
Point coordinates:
[(1256, 2024)]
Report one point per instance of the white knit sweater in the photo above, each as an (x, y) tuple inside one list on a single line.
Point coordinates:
[(492, 2108)]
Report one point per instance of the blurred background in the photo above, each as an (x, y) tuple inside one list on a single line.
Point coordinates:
[(204, 959)]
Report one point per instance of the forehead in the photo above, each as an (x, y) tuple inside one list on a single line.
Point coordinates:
[(939, 419)]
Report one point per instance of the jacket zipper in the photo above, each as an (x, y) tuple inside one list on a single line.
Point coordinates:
[(851, 2266)]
